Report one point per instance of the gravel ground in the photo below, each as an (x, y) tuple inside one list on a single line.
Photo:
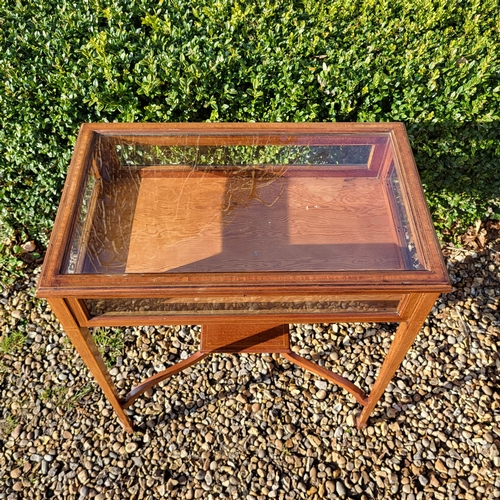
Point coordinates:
[(254, 426)]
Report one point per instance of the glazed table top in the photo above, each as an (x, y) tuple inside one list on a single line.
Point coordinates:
[(212, 207)]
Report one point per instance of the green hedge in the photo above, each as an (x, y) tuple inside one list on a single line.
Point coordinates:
[(434, 65)]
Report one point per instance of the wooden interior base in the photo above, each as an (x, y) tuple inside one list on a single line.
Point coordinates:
[(308, 222)]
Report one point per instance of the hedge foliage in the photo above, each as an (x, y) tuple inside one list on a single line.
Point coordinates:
[(435, 65)]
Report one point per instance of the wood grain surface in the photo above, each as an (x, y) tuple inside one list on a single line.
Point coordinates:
[(244, 338), (177, 221), (220, 224)]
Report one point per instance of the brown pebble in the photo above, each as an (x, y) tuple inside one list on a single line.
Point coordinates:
[(321, 394), (440, 467), (131, 447), (15, 433), (15, 473), (256, 407), (82, 476), (434, 482), (241, 399), (487, 390), (330, 487)]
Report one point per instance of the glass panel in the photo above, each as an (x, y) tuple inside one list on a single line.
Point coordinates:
[(77, 251), (241, 305), (200, 156), (408, 248), (192, 204), (102, 233)]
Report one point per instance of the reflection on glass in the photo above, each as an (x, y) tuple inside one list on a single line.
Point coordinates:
[(238, 305), (410, 254), (201, 156), (102, 233), (250, 207), (78, 249)]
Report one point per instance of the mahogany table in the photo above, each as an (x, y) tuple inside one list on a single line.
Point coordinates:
[(242, 228)]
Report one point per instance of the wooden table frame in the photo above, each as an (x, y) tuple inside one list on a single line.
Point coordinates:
[(414, 291)]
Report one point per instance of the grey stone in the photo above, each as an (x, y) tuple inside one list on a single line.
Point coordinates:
[(340, 488), (321, 384)]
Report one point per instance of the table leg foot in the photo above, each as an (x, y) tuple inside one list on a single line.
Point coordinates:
[(360, 424), (86, 347), (128, 429), (403, 339)]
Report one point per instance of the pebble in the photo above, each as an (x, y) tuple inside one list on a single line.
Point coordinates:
[(82, 476), (330, 487), (440, 467), (321, 384), (423, 480), (321, 394), (208, 478), (15, 473), (17, 314), (314, 440), (340, 488), (131, 447), (28, 247), (256, 407), (16, 432), (253, 426), (487, 390), (171, 484)]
